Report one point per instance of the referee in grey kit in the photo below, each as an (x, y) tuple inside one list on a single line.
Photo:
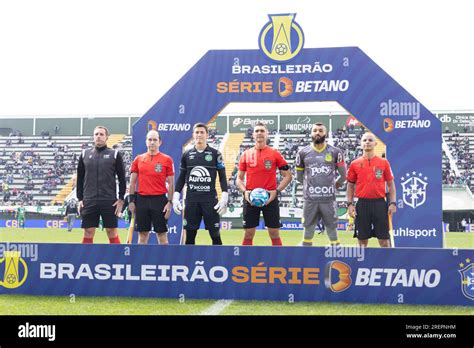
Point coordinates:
[(316, 166)]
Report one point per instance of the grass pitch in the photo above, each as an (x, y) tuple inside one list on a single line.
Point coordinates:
[(60, 305)]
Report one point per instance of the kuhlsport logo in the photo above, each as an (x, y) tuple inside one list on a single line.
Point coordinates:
[(11, 277), (281, 39), (467, 278), (337, 276)]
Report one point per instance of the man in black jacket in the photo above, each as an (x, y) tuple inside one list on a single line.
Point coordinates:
[(97, 170)]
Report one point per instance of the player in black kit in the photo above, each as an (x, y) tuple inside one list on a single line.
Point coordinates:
[(198, 170)]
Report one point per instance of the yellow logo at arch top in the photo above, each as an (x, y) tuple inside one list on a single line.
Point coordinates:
[(281, 39)]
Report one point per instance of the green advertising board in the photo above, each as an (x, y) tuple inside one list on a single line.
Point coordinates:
[(240, 124), (457, 122)]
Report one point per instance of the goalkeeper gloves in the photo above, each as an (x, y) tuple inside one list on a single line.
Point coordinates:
[(177, 206), (221, 206)]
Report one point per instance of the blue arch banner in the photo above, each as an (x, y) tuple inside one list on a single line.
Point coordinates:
[(345, 75), (336, 274)]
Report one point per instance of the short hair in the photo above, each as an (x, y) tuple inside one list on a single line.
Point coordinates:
[(154, 130), (319, 124), (200, 125), (103, 127), (260, 123)]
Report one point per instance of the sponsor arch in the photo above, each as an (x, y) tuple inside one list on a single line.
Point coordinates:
[(345, 75)]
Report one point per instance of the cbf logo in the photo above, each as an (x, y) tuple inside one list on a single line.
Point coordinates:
[(414, 189), (11, 276), (281, 39), (467, 279)]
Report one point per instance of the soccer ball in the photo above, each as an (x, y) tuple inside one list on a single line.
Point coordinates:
[(258, 197), (281, 49)]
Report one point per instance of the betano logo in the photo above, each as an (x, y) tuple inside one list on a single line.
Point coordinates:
[(11, 277), (467, 279), (281, 39), (152, 125), (340, 281), (285, 87), (389, 125)]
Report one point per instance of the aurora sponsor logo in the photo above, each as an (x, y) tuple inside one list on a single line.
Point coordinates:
[(199, 174)]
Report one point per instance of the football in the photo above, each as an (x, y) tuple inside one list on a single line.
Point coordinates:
[(281, 49), (258, 197)]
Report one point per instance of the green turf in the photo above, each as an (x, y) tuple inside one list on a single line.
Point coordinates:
[(58, 305), (229, 237), (325, 308)]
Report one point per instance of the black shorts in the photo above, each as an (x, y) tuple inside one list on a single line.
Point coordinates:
[(371, 219), (149, 210), (195, 211), (93, 210), (271, 215)]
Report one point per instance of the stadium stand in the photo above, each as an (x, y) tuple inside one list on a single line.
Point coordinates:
[(458, 159), (40, 170)]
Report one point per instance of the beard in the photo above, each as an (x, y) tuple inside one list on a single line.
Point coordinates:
[(319, 140)]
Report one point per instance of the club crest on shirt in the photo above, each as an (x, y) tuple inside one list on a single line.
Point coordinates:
[(328, 157), (158, 168), (378, 173), (268, 164), (208, 158)]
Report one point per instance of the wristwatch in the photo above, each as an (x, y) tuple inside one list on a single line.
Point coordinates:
[(349, 203), (395, 204)]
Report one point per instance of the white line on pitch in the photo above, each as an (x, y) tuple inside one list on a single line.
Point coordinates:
[(216, 308)]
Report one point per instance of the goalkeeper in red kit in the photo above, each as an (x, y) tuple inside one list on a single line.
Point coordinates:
[(257, 167)]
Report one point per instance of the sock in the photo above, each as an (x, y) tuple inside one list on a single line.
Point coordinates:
[(191, 237), (276, 241), (87, 240), (216, 240), (248, 242), (115, 240)]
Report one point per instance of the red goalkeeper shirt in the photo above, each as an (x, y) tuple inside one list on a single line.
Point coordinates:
[(260, 166)]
